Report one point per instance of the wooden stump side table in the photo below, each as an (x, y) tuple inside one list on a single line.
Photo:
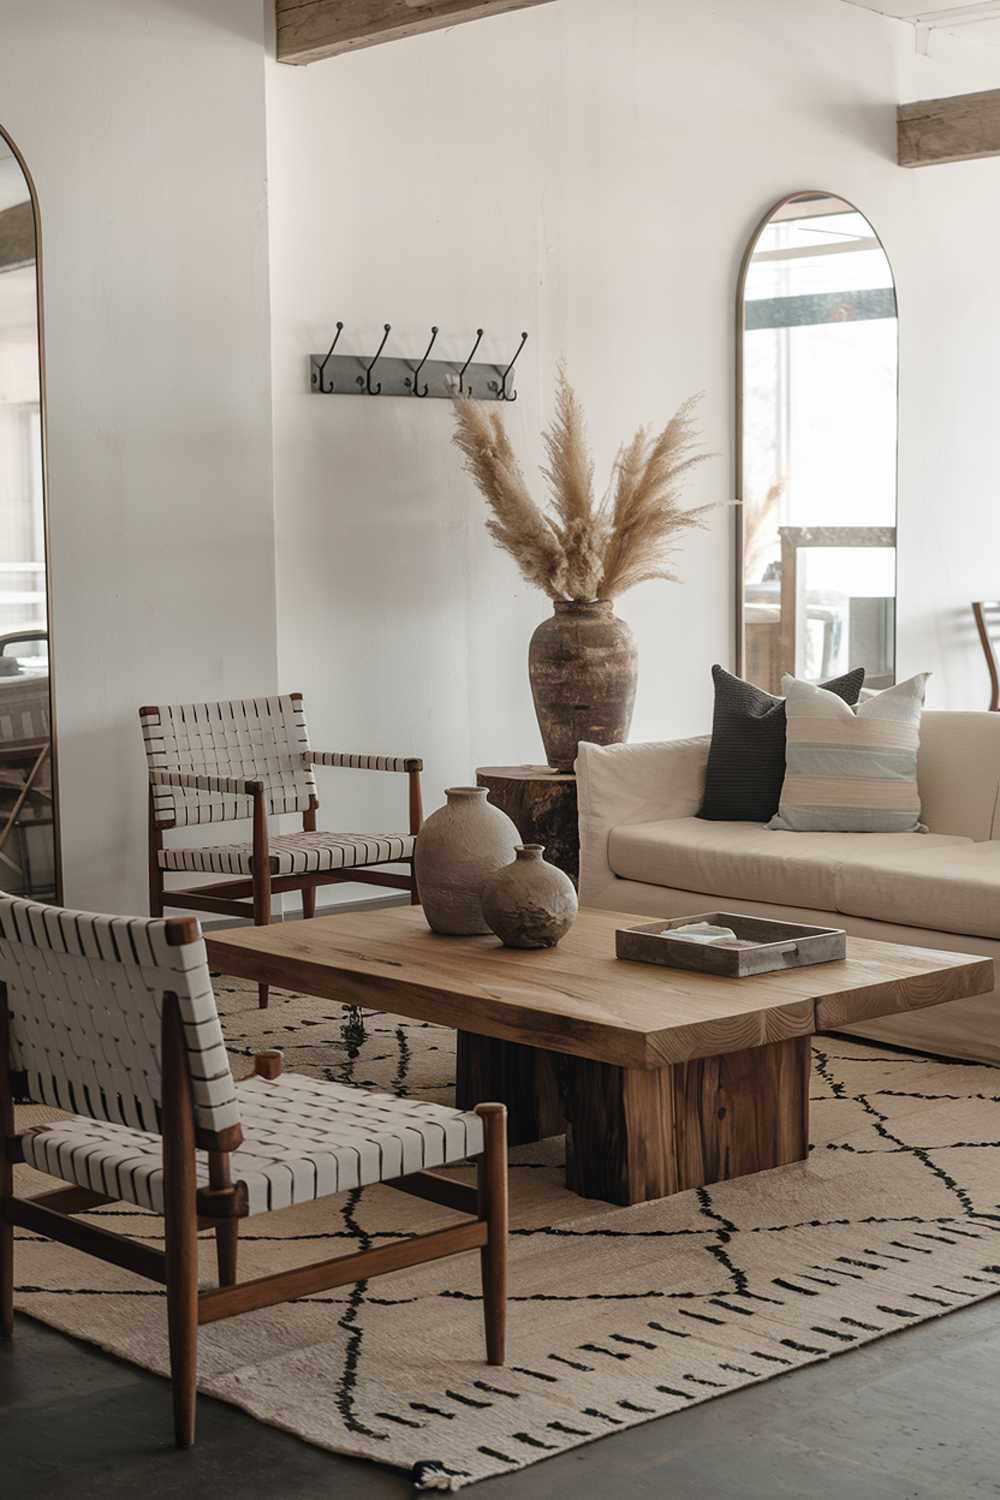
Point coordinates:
[(541, 803)]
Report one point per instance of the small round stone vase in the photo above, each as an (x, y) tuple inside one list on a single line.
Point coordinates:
[(458, 849), (530, 904), (583, 664)]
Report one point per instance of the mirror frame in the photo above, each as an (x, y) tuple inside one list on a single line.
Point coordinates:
[(741, 283), (6, 137)]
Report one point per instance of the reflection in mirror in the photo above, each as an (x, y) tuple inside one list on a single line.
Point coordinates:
[(28, 849), (816, 445)]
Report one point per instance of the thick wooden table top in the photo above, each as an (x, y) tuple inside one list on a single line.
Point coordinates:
[(579, 998)]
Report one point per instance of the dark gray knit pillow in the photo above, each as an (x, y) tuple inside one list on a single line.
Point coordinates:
[(746, 760)]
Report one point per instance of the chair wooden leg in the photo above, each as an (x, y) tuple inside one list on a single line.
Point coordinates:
[(6, 1241), (309, 891), (182, 1319), (227, 1238), (6, 1176), (6, 1278), (416, 822), (155, 873), (180, 1216), (492, 1184), (227, 1231), (262, 917)]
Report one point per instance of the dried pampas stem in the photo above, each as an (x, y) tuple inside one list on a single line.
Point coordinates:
[(758, 532), (583, 549), (516, 524)]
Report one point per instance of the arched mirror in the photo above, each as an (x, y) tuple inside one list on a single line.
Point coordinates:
[(29, 860), (816, 447)]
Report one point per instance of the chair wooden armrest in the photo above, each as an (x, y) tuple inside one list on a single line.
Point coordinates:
[(353, 762), (410, 765)]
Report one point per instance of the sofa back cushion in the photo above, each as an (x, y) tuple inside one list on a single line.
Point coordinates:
[(851, 770), (746, 761), (958, 771)]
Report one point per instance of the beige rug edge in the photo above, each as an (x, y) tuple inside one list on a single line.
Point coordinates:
[(221, 1390)]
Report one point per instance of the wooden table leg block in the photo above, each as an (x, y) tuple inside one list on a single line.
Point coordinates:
[(526, 1079), (633, 1135), (742, 1112), (619, 1137)]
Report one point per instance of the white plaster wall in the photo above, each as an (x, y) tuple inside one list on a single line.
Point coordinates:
[(586, 170), (591, 171), (142, 122)]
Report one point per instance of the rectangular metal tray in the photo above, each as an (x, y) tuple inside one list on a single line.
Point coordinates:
[(763, 945)]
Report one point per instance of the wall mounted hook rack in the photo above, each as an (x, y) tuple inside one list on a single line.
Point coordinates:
[(335, 374)]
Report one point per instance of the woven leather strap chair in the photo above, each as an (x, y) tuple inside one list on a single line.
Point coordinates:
[(114, 1020), (248, 759)]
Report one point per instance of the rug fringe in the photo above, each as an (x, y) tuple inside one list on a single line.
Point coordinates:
[(431, 1475)]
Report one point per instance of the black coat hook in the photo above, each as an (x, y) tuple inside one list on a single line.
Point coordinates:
[(327, 390), (502, 388), (377, 391), (461, 375), (416, 374)]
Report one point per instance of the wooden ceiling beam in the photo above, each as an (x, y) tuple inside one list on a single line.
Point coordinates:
[(962, 127), (17, 236), (311, 29)]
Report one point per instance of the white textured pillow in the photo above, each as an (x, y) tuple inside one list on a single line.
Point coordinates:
[(851, 770)]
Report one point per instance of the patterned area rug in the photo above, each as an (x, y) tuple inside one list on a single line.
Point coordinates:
[(617, 1315)]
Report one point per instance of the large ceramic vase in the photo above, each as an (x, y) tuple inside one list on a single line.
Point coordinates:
[(530, 904), (583, 664), (458, 849)]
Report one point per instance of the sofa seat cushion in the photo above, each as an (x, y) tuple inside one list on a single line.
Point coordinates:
[(757, 863), (953, 889)]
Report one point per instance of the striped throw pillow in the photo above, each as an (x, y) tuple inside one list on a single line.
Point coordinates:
[(851, 770)]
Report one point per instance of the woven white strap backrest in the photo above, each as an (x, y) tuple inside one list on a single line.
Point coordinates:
[(259, 739), (85, 997)]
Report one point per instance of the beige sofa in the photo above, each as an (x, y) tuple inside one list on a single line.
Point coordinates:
[(642, 849)]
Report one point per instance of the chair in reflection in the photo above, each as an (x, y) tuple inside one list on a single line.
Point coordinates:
[(762, 634), (26, 803), (869, 621), (987, 617)]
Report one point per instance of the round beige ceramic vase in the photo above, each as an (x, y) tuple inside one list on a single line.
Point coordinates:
[(530, 903), (458, 849)]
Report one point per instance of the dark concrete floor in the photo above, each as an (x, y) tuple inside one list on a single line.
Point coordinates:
[(908, 1417)]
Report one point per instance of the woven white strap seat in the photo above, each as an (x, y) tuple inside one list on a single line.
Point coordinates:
[(295, 853), (303, 1139)]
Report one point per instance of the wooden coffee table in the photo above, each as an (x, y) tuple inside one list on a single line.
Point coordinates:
[(661, 1079)]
